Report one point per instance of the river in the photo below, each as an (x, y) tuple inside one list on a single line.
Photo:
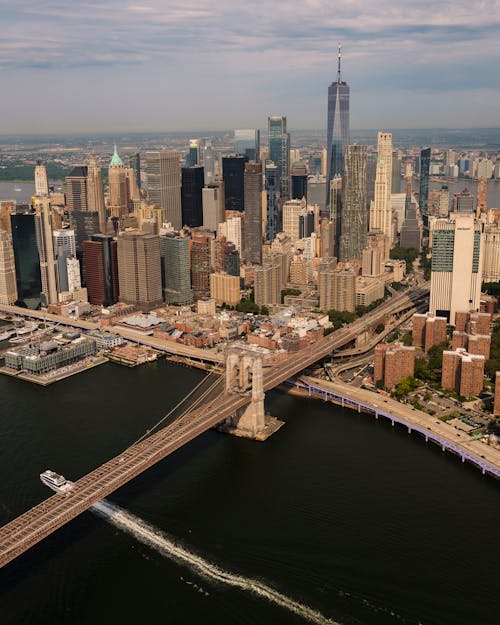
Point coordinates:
[(337, 518)]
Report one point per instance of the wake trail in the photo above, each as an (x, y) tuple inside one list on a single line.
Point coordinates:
[(155, 538)]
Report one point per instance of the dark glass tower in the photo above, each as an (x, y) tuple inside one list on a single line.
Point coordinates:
[(191, 196), (135, 164), (279, 153), (337, 129), (26, 258), (233, 174), (425, 165), (273, 224)]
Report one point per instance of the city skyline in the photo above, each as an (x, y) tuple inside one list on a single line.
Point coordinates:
[(409, 66)]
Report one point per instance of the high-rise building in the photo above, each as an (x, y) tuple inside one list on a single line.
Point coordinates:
[(119, 199), (193, 155), (95, 193), (428, 330), (26, 258), (268, 283), (491, 263), (396, 172), (139, 268), (163, 173), (135, 164), (8, 289), (247, 143), (393, 362), (64, 249), (76, 189), (213, 205), (337, 288), (201, 241), (463, 372), (425, 164), (354, 213), (292, 210), (279, 152), (85, 224), (193, 179), (225, 289), (41, 180), (101, 269), (299, 180), (337, 127), (411, 230), (208, 160), (252, 247), (496, 404), (273, 213), (176, 272), (456, 270), (463, 202), (380, 209), (233, 174), (45, 246), (7, 208), (232, 230)]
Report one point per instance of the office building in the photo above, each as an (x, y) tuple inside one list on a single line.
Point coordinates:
[(273, 213), (226, 257), (201, 241), (299, 180), (163, 174), (232, 230), (8, 288), (64, 249), (279, 152), (411, 230), (193, 179), (368, 290), (247, 143), (208, 160), (354, 213), (306, 224), (41, 180), (292, 210), (135, 164), (213, 202), (119, 199), (45, 244), (95, 193), (84, 224), (225, 289), (380, 208), (371, 174), (393, 362), (425, 163), (396, 172), (193, 155), (139, 269), (26, 258), (456, 270), (233, 174), (101, 269), (337, 127), (176, 272), (252, 246), (463, 372), (463, 202), (76, 189), (491, 263), (268, 283)]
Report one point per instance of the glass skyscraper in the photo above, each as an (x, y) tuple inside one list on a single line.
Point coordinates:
[(425, 164), (279, 153), (247, 143), (26, 258), (337, 129)]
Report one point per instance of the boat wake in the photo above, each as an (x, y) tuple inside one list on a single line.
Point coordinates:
[(155, 538)]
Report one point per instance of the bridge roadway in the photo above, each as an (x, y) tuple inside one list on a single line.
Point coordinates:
[(34, 525)]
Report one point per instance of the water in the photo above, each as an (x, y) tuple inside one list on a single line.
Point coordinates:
[(493, 189), (19, 191), (336, 517)]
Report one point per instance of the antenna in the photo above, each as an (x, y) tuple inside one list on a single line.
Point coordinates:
[(338, 66)]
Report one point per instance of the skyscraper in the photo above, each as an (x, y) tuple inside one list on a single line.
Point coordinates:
[(101, 269), (299, 180), (337, 127), (135, 164), (64, 249), (456, 270), (200, 263), (380, 209), (139, 268), (119, 199), (273, 216), (193, 155), (252, 247), (8, 289), (163, 173), (425, 165), (95, 193), (26, 259), (233, 173), (41, 180), (213, 205), (208, 160), (279, 152), (176, 274), (354, 213), (45, 246), (191, 196), (76, 189)]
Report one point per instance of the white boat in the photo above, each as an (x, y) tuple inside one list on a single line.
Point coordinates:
[(56, 482), (7, 334), (17, 189)]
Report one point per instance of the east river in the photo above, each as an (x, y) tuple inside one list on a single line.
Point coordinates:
[(336, 518)]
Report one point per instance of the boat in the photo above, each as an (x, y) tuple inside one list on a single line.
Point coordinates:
[(17, 189), (6, 334), (56, 482)]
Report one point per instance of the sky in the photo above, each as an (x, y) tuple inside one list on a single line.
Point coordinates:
[(166, 65)]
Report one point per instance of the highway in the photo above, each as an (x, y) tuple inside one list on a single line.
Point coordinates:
[(31, 527)]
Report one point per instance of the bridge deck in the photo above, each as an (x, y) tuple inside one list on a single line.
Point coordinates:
[(34, 525)]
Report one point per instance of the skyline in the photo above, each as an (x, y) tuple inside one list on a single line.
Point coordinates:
[(110, 66)]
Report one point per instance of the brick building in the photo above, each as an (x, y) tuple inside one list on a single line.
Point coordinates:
[(393, 362), (463, 372), (428, 330), (496, 404)]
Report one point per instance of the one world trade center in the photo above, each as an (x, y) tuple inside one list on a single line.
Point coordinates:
[(337, 129)]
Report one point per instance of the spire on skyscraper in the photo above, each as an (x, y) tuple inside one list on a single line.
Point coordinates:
[(338, 65), (116, 160)]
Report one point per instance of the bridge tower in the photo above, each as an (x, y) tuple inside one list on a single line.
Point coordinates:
[(244, 376)]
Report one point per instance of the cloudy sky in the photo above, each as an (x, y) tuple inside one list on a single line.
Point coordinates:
[(113, 65)]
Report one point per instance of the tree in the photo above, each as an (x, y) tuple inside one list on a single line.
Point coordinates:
[(264, 310), (286, 292), (380, 328), (406, 254), (379, 384), (407, 339)]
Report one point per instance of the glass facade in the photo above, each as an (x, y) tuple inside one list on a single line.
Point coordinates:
[(233, 174), (337, 129), (26, 258), (247, 143), (279, 153), (425, 164), (193, 179)]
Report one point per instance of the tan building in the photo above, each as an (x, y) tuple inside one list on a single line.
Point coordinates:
[(292, 210), (496, 404), (393, 362), (95, 193), (45, 243), (428, 330), (139, 271), (337, 289), (119, 199), (225, 289), (463, 372), (8, 289), (7, 207), (299, 270), (368, 290), (473, 323), (491, 259), (380, 208), (163, 172), (268, 284)]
